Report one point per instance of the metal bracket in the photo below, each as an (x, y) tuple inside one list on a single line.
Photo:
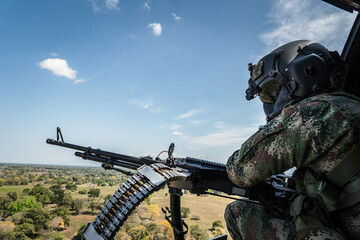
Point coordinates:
[(170, 160), (167, 217)]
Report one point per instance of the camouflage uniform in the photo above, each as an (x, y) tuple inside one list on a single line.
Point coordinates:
[(315, 135)]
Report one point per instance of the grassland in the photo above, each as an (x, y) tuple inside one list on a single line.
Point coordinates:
[(208, 208)]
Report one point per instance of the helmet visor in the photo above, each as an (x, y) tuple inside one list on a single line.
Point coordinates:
[(269, 91)]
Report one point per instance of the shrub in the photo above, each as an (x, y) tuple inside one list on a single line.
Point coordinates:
[(70, 186), (198, 233), (29, 202), (38, 217), (94, 192), (217, 223), (41, 194), (185, 212), (195, 217), (12, 195)]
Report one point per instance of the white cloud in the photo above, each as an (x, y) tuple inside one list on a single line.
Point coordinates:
[(224, 137), (219, 125), (307, 19), (171, 127), (53, 54), (190, 114), (197, 122), (177, 133), (177, 18), (146, 6), (80, 80), (112, 4), (175, 127), (59, 67), (142, 103), (156, 28), (95, 7)]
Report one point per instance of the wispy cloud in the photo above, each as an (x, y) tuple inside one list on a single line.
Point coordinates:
[(177, 18), (177, 133), (142, 103), (223, 137), (95, 8), (156, 28), (146, 6), (112, 4), (100, 5), (148, 103), (190, 113), (53, 54), (80, 80), (175, 127), (307, 19), (197, 122), (60, 67), (171, 127)]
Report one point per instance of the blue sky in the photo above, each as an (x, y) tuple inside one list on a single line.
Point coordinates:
[(133, 76)]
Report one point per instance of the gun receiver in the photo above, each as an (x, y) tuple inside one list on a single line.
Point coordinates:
[(150, 175)]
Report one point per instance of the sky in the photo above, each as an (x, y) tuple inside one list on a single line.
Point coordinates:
[(133, 76)]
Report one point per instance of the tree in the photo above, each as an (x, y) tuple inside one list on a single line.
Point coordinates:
[(66, 201), (80, 234), (93, 205), (41, 194), (107, 197), (94, 192), (82, 192), (27, 228), (5, 203), (168, 232), (70, 186), (11, 235), (120, 235), (25, 191), (59, 212), (12, 195), (198, 233), (58, 194), (38, 217), (139, 233), (77, 205), (29, 202), (185, 212)]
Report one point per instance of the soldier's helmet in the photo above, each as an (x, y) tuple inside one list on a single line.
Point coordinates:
[(294, 72)]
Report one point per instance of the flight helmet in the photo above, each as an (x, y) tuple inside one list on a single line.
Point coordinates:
[(293, 72)]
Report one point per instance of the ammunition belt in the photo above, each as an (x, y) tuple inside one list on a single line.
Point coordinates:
[(128, 196)]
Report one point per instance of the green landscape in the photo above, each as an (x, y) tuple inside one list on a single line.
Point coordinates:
[(56, 202)]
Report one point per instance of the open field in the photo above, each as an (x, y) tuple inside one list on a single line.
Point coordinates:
[(207, 208)]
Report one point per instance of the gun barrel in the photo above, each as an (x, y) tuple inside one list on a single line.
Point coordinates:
[(98, 152), (107, 160)]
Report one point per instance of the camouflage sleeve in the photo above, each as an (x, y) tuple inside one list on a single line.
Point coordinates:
[(297, 137)]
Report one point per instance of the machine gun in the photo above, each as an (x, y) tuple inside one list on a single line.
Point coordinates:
[(150, 175)]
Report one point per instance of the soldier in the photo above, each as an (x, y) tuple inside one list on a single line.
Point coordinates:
[(312, 126)]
